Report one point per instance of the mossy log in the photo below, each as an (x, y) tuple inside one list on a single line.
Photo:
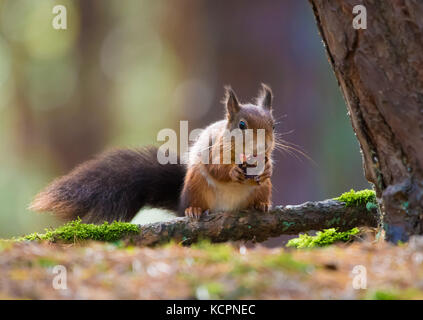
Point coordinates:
[(259, 226), (351, 209)]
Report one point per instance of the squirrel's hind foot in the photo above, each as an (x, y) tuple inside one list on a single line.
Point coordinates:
[(262, 206), (194, 213)]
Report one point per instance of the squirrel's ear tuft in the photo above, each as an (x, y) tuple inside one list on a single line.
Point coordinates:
[(265, 97), (231, 102)]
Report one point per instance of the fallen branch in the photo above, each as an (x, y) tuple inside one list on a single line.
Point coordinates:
[(259, 226)]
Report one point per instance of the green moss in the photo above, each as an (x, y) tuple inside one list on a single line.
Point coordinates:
[(358, 198), (76, 230), (210, 290), (371, 206), (394, 294), (285, 261), (322, 238), (242, 268), (47, 262), (287, 225), (383, 295), (5, 244), (215, 252)]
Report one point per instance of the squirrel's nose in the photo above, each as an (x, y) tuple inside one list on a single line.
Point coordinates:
[(243, 157), (249, 158)]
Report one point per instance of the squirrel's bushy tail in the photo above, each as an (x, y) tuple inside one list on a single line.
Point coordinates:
[(113, 186)]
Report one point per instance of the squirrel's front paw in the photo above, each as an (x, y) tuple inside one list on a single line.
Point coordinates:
[(267, 173), (237, 174), (193, 213), (262, 206)]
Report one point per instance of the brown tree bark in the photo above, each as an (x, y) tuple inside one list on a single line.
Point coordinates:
[(258, 226), (380, 72), (247, 225)]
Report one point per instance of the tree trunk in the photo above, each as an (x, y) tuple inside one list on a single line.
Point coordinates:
[(380, 72)]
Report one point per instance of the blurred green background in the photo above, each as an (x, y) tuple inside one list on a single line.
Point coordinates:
[(123, 70)]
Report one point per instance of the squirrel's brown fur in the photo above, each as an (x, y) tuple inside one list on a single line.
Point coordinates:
[(117, 184), (224, 187)]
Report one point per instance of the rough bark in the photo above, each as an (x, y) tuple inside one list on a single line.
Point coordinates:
[(258, 226), (380, 72)]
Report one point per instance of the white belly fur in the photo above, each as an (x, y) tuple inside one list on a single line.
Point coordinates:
[(231, 196), (228, 196)]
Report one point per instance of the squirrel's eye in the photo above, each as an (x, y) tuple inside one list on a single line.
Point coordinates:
[(273, 127), (242, 125)]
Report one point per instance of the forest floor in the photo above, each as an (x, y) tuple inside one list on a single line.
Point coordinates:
[(96, 270)]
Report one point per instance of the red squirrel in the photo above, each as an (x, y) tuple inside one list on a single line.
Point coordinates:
[(117, 184)]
